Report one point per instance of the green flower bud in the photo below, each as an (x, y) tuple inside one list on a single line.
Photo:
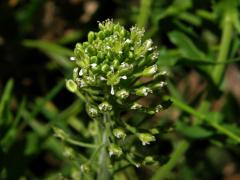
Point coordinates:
[(105, 106), (100, 55), (71, 86), (122, 94), (113, 78), (143, 91), (101, 35), (114, 150), (148, 160), (136, 106), (75, 73), (85, 168), (146, 138), (92, 128), (91, 36), (154, 131), (125, 68), (68, 153), (92, 111), (78, 51), (119, 133), (115, 63), (94, 59), (59, 133), (158, 108), (85, 45), (105, 68), (149, 71)]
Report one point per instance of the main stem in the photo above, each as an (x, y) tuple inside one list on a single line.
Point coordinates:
[(103, 173)]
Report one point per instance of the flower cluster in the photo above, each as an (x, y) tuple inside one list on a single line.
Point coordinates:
[(115, 69), (111, 64)]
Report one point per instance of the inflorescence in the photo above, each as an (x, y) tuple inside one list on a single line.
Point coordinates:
[(115, 69)]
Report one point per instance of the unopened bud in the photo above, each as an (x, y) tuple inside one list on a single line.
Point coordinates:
[(146, 138), (136, 106), (148, 160), (158, 108), (59, 133), (119, 133), (92, 111), (105, 106), (143, 91), (91, 36), (71, 85), (114, 150), (122, 94), (68, 153), (149, 71), (85, 168)]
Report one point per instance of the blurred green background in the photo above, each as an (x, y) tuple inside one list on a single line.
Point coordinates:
[(199, 43)]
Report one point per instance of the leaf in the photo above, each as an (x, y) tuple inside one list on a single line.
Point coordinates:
[(167, 58), (195, 132), (186, 46), (58, 53), (5, 98)]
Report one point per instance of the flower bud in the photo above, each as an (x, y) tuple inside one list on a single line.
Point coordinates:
[(105, 106), (92, 111), (75, 73), (115, 63), (68, 153), (143, 91), (71, 86), (78, 51), (154, 131), (101, 35), (149, 71), (146, 138), (114, 150), (94, 59), (119, 133), (158, 108), (91, 36), (59, 133), (148, 160), (122, 94), (105, 68), (136, 106), (125, 68), (85, 168)]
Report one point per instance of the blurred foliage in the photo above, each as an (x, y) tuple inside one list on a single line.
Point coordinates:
[(199, 44)]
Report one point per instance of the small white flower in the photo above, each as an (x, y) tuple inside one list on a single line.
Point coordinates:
[(124, 77), (128, 41), (93, 65), (102, 78), (81, 72), (72, 58), (162, 83), (112, 90)]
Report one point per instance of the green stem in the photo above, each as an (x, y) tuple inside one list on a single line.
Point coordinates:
[(175, 157), (103, 173), (144, 13), (81, 144), (199, 115), (224, 48)]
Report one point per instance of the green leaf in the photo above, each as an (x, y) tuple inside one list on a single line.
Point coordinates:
[(58, 53), (5, 98), (195, 132), (186, 46)]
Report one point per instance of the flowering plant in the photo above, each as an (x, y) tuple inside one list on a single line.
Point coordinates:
[(116, 74)]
